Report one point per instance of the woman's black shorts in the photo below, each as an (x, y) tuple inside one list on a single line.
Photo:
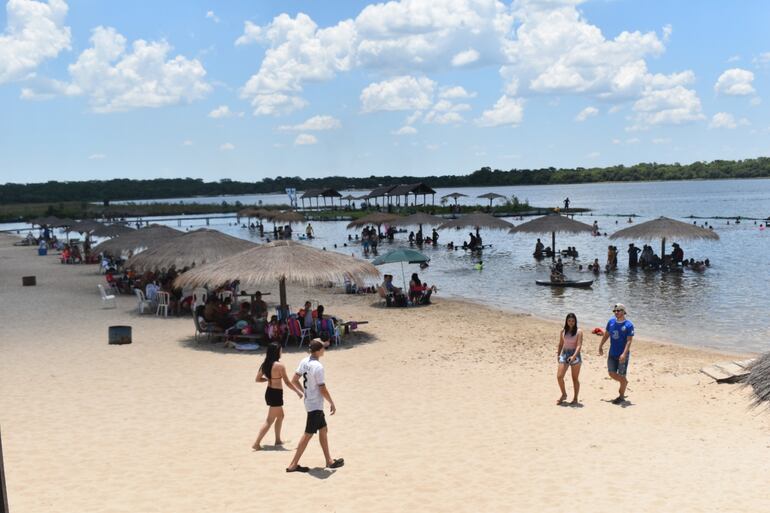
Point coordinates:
[(274, 396)]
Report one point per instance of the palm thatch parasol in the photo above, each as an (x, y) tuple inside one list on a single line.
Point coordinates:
[(249, 212), (376, 218), (665, 228), (477, 220), (190, 249), (454, 196), (280, 261), (419, 219), (86, 226), (491, 196), (759, 379), (552, 223), (112, 230), (287, 217), (147, 237)]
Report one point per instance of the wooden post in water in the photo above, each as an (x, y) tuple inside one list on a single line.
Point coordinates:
[(3, 490)]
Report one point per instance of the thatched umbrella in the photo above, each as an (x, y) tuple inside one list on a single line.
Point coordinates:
[(665, 228), (418, 219), (112, 230), (454, 196), (280, 261), (477, 220), (376, 218), (759, 379), (147, 237), (491, 196), (552, 223), (289, 217), (192, 248)]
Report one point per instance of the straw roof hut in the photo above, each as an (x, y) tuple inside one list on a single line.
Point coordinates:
[(112, 230), (491, 196), (665, 228), (552, 223), (376, 218), (280, 261), (759, 379), (193, 248), (144, 238)]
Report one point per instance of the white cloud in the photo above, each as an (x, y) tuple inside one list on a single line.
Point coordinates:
[(762, 59), (593, 155), (314, 123), (394, 37), (223, 111), (187, 142), (633, 140), (674, 106), (299, 52), (34, 32), (97, 156), (735, 82), (466, 57), (305, 139), (400, 93), (455, 93), (586, 113), (727, 120), (115, 79), (227, 147), (445, 112), (405, 130), (432, 147), (661, 140), (211, 16), (755, 101), (734, 58), (506, 111)]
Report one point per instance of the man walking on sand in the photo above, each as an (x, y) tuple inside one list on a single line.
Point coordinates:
[(311, 372), (621, 330)]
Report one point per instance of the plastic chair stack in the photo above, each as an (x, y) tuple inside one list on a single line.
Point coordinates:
[(164, 299)]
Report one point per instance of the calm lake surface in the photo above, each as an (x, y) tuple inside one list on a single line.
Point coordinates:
[(723, 307)]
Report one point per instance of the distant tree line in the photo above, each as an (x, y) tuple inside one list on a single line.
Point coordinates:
[(125, 189)]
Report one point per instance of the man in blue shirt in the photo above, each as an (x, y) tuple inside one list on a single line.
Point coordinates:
[(621, 332)]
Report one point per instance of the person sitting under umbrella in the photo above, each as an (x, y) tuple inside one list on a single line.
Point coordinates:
[(395, 295), (419, 293)]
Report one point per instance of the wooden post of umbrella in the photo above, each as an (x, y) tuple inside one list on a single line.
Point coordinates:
[(3, 490), (663, 248), (553, 246), (282, 293)]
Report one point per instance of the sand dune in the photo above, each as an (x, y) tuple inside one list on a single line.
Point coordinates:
[(449, 407)]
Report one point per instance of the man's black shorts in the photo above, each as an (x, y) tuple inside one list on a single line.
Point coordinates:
[(315, 421)]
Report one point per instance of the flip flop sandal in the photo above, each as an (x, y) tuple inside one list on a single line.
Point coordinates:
[(337, 463), (298, 468)]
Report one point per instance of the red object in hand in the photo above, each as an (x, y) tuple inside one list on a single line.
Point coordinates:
[(597, 331)]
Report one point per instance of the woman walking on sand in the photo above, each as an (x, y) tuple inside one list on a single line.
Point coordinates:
[(273, 372), (570, 344)]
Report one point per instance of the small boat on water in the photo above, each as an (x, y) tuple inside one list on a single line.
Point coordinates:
[(566, 283)]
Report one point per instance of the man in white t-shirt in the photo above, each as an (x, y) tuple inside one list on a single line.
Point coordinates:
[(311, 372)]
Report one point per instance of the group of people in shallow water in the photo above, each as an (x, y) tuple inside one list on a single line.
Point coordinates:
[(419, 239), (619, 331)]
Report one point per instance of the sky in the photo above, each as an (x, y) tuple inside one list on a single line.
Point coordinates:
[(248, 90)]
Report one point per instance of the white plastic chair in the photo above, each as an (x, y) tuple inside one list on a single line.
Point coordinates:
[(200, 295), (107, 298), (164, 299), (225, 294), (142, 302)]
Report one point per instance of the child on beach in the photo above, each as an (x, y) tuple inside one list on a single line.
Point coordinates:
[(273, 372), (570, 344)]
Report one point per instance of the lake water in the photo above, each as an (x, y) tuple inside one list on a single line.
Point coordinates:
[(723, 307)]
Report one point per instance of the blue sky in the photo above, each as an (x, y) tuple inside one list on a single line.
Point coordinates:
[(248, 90)]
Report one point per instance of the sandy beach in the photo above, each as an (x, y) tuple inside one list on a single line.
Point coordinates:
[(445, 408)]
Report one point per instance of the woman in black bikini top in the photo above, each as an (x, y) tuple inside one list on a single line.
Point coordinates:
[(272, 372)]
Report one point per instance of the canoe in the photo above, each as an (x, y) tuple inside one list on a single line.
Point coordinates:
[(566, 283)]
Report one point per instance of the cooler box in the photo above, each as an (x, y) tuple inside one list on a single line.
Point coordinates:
[(42, 251)]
